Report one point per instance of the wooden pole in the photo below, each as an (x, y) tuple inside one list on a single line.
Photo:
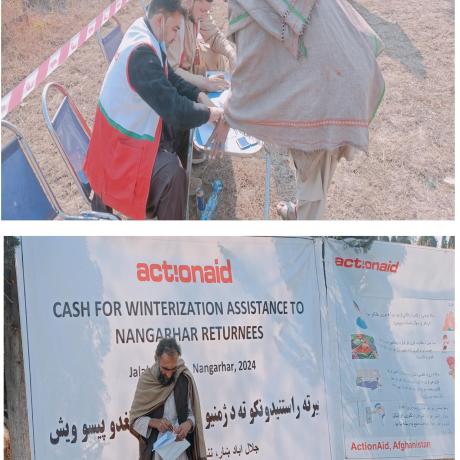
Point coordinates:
[(15, 389)]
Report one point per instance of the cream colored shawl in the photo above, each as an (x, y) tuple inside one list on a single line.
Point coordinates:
[(150, 394)]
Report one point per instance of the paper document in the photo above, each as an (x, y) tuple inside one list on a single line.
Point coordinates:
[(219, 100), (237, 143), (167, 446), (204, 133), (216, 94)]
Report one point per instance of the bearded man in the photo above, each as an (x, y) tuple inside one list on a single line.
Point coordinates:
[(166, 399), (132, 162)]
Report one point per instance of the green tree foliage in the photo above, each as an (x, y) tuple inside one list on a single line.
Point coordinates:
[(447, 242), (403, 239), (400, 239), (364, 242), (427, 241)]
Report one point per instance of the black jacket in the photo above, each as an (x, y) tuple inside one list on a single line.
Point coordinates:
[(172, 98)]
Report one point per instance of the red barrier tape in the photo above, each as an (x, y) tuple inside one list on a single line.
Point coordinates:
[(18, 94)]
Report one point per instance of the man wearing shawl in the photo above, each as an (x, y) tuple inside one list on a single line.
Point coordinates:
[(306, 79), (166, 398)]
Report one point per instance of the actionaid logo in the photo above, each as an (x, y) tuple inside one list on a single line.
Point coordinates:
[(389, 266), (170, 273)]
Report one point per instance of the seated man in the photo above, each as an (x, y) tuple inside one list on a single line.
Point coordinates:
[(200, 46), (132, 164), (190, 57)]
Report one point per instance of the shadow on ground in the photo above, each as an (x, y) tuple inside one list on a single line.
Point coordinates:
[(397, 43)]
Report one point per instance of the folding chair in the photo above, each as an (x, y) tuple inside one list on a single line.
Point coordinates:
[(26, 195), (110, 42), (71, 135)]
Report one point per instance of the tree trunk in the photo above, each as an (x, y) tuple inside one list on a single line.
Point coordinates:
[(15, 389)]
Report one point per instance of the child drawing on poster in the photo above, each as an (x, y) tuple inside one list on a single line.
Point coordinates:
[(449, 322), (368, 378), (363, 347), (445, 342)]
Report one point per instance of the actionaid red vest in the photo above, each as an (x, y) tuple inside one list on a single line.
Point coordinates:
[(126, 134)]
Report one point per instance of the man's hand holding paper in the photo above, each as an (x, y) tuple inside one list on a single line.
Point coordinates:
[(168, 447)]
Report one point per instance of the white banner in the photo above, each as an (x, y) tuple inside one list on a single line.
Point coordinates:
[(392, 334), (248, 313)]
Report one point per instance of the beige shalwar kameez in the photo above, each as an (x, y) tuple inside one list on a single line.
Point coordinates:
[(307, 79), (199, 47), (313, 177)]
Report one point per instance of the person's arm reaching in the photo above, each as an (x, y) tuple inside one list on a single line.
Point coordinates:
[(183, 86), (148, 79), (201, 82), (192, 92), (187, 89)]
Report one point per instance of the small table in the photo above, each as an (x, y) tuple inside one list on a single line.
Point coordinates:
[(201, 135)]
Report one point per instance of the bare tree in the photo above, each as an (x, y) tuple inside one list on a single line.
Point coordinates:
[(15, 389)]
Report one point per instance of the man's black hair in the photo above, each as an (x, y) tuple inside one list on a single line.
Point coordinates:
[(168, 346), (165, 6)]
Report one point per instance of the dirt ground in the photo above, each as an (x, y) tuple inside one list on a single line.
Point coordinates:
[(407, 175)]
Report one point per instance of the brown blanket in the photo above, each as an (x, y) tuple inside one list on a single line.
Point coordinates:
[(306, 74)]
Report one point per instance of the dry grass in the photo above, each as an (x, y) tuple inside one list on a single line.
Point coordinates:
[(411, 139), (29, 38)]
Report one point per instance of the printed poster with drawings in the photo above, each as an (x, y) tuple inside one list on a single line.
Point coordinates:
[(250, 331), (395, 350)]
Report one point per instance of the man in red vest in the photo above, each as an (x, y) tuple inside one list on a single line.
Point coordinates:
[(132, 164)]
